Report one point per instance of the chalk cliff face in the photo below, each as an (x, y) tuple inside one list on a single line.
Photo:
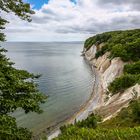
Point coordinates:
[(108, 71)]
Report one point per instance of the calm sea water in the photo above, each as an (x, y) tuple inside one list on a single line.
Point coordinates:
[(66, 79)]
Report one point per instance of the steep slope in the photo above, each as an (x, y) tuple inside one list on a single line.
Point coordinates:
[(109, 70), (110, 66)]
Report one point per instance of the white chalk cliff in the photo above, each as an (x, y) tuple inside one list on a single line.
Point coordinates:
[(108, 71)]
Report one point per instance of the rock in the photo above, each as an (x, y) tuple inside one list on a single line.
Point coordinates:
[(90, 54), (105, 65), (101, 60), (109, 70), (114, 70)]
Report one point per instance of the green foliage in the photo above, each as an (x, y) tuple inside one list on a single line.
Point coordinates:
[(131, 77), (90, 122), (119, 51), (10, 131), (124, 44), (17, 89), (123, 82), (75, 133), (98, 39), (133, 68), (88, 43), (136, 110), (18, 7), (133, 49), (2, 23)]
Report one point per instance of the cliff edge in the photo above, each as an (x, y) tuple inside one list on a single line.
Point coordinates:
[(109, 70)]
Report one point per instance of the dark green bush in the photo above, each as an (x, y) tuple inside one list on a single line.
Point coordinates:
[(75, 133), (136, 110), (133, 68), (122, 83), (100, 38), (133, 49), (90, 122), (119, 51)]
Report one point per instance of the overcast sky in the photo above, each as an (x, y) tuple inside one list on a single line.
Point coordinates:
[(73, 20)]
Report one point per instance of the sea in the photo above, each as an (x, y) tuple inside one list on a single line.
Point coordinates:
[(67, 80)]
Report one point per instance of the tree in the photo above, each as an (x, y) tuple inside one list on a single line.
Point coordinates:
[(17, 89), (120, 51), (134, 49), (136, 110), (133, 68), (123, 82)]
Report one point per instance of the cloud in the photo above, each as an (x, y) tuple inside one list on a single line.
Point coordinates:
[(65, 20), (131, 4), (119, 1)]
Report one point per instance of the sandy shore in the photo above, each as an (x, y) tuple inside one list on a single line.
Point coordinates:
[(88, 108)]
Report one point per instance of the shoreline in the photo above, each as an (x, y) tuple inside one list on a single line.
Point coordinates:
[(90, 105), (88, 108)]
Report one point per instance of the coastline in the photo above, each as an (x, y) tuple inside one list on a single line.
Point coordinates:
[(102, 101), (89, 107)]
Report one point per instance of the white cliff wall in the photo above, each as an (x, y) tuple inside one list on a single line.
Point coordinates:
[(108, 71)]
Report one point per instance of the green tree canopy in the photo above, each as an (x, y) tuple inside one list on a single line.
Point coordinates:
[(18, 7), (17, 88)]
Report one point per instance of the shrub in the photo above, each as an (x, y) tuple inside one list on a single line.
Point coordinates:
[(136, 110), (122, 83), (133, 48), (74, 133), (120, 51), (133, 68), (90, 122)]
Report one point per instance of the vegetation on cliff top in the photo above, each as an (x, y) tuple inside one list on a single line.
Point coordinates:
[(123, 44)]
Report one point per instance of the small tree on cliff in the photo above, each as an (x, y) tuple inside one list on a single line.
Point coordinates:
[(15, 90)]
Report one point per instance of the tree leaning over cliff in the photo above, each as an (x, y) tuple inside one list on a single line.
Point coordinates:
[(17, 89)]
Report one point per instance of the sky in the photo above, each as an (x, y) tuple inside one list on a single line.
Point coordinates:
[(73, 20)]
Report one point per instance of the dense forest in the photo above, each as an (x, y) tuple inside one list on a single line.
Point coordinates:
[(126, 125), (123, 44), (17, 87)]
